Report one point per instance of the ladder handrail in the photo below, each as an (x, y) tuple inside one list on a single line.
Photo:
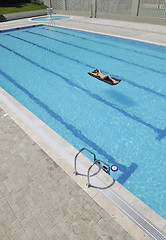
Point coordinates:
[(95, 162), (101, 164), (75, 170), (98, 162)]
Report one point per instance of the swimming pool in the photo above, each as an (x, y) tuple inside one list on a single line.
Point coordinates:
[(45, 68), (52, 18)]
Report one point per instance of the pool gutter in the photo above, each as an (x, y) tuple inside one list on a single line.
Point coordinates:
[(105, 190)]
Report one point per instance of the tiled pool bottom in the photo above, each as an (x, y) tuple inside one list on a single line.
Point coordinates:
[(129, 152), (21, 115)]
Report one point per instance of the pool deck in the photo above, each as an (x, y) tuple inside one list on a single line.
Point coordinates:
[(40, 196)]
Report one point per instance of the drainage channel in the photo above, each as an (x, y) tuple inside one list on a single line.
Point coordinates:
[(141, 221)]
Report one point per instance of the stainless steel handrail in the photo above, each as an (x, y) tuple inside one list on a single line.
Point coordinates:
[(105, 168), (95, 162), (75, 169)]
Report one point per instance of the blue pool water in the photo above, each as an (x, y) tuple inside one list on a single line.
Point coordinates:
[(46, 69), (53, 18)]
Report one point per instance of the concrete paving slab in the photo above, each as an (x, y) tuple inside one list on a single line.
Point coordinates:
[(39, 200)]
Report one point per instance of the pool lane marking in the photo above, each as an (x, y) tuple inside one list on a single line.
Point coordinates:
[(103, 43), (109, 193), (50, 50), (76, 132), (161, 133), (87, 65), (97, 52)]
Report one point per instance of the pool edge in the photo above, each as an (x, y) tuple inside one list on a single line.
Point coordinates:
[(69, 152)]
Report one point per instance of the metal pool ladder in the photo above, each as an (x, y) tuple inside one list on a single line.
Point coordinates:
[(135, 216), (49, 15), (104, 166)]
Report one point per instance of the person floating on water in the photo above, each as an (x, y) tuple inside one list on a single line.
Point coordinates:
[(103, 77)]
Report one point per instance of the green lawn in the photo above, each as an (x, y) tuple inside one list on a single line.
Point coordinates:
[(21, 7)]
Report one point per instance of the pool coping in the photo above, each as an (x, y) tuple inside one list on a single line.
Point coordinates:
[(112, 35), (69, 151), (45, 137)]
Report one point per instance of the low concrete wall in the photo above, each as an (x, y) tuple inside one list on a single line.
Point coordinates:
[(14, 16)]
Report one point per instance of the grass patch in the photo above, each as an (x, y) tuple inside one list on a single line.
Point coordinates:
[(20, 7)]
